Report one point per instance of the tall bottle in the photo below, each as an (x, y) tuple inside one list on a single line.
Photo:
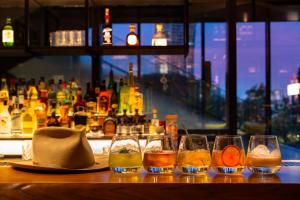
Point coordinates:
[(123, 97), (12, 94), (43, 92), (5, 119), (112, 90), (4, 93), (104, 103), (51, 96), (8, 34), (90, 99), (21, 91), (107, 29), (131, 100), (16, 121), (60, 97)]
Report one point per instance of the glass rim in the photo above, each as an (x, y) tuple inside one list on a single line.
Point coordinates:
[(194, 135), (228, 136), (125, 137), (263, 136), (158, 136)]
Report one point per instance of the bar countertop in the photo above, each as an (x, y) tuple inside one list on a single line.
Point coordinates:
[(15, 184)]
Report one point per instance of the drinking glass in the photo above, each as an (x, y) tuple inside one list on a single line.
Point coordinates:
[(228, 156), (160, 154), (27, 150), (264, 156), (125, 154), (193, 154)]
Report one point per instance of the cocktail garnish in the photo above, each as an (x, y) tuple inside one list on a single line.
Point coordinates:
[(124, 150), (231, 156)]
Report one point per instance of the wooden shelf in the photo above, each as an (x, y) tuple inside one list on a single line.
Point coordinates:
[(57, 51), (140, 50), (12, 52), (113, 50)]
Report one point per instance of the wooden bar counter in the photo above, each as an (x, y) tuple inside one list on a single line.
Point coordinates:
[(23, 185)]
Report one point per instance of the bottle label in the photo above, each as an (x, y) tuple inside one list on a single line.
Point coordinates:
[(109, 128), (107, 35), (8, 36), (16, 121)]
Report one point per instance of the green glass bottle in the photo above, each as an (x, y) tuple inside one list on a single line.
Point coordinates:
[(8, 34)]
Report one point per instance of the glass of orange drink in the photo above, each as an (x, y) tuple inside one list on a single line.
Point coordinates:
[(159, 154), (264, 156), (228, 156), (193, 154)]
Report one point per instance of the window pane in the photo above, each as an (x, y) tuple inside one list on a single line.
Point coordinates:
[(285, 38), (214, 78), (251, 77)]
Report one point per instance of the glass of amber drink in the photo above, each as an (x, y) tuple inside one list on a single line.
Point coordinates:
[(228, 156), (125, 154), (193, 154), (160, 154), (264, 155)]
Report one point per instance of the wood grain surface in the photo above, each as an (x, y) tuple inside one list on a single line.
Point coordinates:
[(23, 185)]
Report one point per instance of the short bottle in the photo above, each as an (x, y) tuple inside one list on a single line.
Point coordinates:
[(16, 120), (53, 121), (110, 125), (8, 34), (80, 119), (5, 120)]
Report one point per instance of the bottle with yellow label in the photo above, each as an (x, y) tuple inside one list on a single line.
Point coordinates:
[(8, 34)]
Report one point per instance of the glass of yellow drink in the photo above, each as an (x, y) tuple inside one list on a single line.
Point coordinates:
[(193, 154), (125, 154)]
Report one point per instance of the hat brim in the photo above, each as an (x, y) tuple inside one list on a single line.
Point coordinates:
[(29, 165)]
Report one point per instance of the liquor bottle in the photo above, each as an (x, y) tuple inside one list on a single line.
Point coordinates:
[(53, 121), (123, 97), (32, 95), (109, 125), (79, 103), (5, 119), (43, 92), (154, 122), (28, 119), (12, 94), (138, 101), (90, 99), (80, 118), (64, 119), (41, 115), (4, 93), (8, 34), (159, 38), (104, 101), (131, 100), (16, 121), (107, 29), (60, 97), (51, 96), (21, 92), (132, 38), (112, 90)]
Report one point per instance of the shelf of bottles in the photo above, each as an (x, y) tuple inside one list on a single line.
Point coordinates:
[(73, 42), (105, 110)]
